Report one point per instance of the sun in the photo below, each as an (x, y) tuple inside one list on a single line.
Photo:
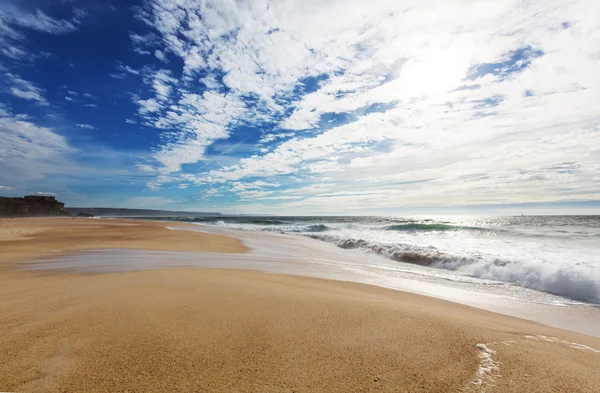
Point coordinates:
[(434, 72)]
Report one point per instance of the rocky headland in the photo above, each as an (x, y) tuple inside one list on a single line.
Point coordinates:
[(31, 206)]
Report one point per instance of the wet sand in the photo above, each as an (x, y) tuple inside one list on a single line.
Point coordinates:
[(215, 330), (30, 238)]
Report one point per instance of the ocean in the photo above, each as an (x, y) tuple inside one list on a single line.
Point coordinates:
[(559, 255)]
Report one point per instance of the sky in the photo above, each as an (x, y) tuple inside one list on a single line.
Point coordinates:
[(303, 106)]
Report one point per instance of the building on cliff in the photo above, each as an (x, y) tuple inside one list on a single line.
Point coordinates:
[(31, 206)]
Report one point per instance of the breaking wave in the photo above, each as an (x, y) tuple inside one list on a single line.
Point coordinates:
[(552, 254), (413, 227), (316, 228), (400, 253), (569, 281), (297, 229), (228, 220)]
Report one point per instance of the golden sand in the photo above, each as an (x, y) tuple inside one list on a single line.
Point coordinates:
[(28, 238), (211, 330)]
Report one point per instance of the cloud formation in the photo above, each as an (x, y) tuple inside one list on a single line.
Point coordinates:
[(16, 21), (439, 102), (29, 151), (307, 106), (23, 89)]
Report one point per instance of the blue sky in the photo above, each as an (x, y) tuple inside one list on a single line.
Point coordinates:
[(303, 107)]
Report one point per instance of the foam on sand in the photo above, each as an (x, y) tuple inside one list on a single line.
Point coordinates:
[(488, 369), (489, 366), (540, 337)]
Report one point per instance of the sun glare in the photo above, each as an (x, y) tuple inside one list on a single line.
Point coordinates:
[(434, 73)]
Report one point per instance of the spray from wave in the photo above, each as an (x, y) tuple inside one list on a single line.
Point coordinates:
[(573, 282), (316, 228), (297, 229), (414, 227), (555, 254)]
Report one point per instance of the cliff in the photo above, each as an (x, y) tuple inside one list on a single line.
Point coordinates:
[(31, 206)]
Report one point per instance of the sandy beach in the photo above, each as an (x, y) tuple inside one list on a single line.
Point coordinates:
[(29, 238), (219, 330)]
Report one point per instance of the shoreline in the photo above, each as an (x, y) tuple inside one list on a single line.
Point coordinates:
[(367, 268), (31, 238), (552, 254), (287, 254), (291, 254), (225, 329)]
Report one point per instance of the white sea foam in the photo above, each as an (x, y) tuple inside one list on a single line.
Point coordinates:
[(558, 255), (488, 368), (540, 337), (569, 281), (574, 282)]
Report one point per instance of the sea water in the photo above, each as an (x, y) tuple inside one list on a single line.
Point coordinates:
[(559, 255)]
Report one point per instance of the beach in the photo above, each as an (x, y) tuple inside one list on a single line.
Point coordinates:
[(30, 238), (214, 330)]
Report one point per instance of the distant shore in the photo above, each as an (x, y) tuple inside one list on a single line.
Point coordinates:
[(215, 330)]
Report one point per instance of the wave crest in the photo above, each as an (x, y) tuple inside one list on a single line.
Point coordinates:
[(414, 227), (228, 220), (403, 252), (316, 228), (568, 281)]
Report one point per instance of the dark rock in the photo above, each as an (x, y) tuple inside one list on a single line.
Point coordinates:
[(31, 206)]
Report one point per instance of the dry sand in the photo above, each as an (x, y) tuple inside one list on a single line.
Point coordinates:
[(28, 238), (209, 330)]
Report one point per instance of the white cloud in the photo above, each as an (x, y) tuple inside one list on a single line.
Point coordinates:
[(145, 168), (28, 95), (160, 55), (451, 102), (25, 89), (141, 43), (148, 106), (122, 71), (16, 53), (161, 83), (85, 126), (291, 156), (4, 110), (38, 21), (254, 194), (255, 185), (280, 198), (15, 21), (253, 189), (151, 202), (29, 151), (213, 192), (5, 188), (267, 138), (201, 119), (210, 82)]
